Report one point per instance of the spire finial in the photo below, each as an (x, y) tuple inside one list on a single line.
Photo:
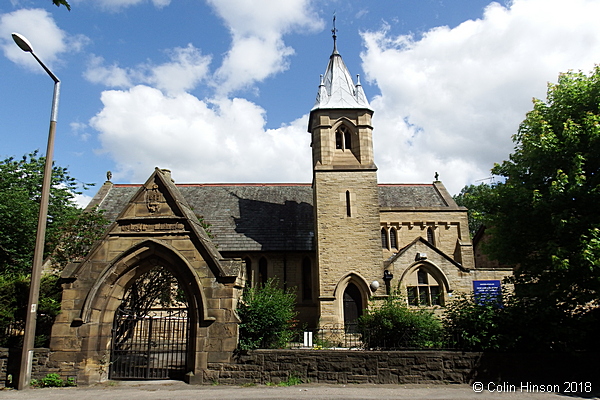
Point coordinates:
[(333, 33)]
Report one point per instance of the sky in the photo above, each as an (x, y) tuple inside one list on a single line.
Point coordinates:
[(219, 91)]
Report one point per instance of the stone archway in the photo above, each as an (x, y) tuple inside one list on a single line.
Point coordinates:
[(151, 329), (110, 306)]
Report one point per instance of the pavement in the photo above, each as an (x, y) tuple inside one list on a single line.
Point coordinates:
[(155, 390)]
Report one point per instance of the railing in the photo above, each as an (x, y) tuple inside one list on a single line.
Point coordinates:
[(340, 337), (11, 334)]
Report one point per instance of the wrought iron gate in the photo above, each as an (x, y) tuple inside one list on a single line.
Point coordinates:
[(152, 346)]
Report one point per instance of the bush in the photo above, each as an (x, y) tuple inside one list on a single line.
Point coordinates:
[(395, 325), (267, 317), (518, 323), (476, 325), (14, 292)]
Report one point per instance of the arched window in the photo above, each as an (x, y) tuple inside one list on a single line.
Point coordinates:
[(343, 138), (262, 270), (353, 307), (393, 239), (248, 271), (423, 289), (384, 238), (430, 236), (306, 279)]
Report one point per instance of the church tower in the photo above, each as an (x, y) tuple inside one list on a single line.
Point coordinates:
[(346, 199)]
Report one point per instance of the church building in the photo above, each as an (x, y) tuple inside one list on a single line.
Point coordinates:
[(341, 242)]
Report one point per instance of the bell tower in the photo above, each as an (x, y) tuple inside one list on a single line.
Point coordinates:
[(346, 197)]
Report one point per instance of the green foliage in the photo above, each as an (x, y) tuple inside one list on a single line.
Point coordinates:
[(20, 185), (70, 233), (14, 292), (52, 380), (267, 317), (394, 325), (65, 3), (546, 217), (206, 226), (477, 199), (75, 237), (475, 326), (517, 324)]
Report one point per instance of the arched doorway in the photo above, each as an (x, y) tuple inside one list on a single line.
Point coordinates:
[(353, 307), (151, 328)]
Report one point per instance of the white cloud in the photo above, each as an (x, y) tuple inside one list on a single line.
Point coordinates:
[(118, 5), (249, 60), (82, 200), (187, 67), (212, 140), (224, 140), (451, 99), (257, 28), (111, 76), (47, 39)]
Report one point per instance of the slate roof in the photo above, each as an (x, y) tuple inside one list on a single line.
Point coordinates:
[(264, 217), (337, 89)]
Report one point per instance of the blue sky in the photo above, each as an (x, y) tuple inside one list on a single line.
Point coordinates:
[(220, 90)]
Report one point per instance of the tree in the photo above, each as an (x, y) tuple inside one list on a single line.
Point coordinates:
[(20, 185), (476, 198), (69, 235), (65, 3), (544, 217)]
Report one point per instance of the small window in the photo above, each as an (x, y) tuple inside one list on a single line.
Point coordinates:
[(348, 208), (347, 139), (306, 279), (423, 289), (393, 239), (430, 237), (248, 271), (384, 238), (339, 141), (262, 271)]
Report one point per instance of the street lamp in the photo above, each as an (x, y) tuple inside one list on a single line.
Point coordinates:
[(38, 254)]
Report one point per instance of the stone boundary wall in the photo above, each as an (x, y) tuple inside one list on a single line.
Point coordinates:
[(352, 366), (401, 367), (41, 366)]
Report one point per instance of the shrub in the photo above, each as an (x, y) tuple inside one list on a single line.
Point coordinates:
[(476, 325), (52, 380), (267, 317), (395, 325)]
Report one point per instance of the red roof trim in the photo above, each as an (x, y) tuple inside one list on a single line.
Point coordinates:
[(260, 184)]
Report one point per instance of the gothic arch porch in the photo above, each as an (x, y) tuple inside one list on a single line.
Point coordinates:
[(97, 296)]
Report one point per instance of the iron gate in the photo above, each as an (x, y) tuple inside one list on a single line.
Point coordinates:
[(150, 346)]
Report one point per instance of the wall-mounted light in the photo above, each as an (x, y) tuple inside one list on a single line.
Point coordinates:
[(374, 285)]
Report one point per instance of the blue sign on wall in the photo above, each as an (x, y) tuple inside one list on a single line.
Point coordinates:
[(487, 291)]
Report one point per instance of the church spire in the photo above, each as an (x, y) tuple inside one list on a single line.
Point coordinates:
[(337, 89)]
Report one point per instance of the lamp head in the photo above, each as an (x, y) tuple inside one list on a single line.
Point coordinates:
[(22, 42)]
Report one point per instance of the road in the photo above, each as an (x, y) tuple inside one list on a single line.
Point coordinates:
[(175, 390)]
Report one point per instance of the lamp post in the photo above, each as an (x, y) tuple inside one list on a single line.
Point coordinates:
[(38, 255)]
